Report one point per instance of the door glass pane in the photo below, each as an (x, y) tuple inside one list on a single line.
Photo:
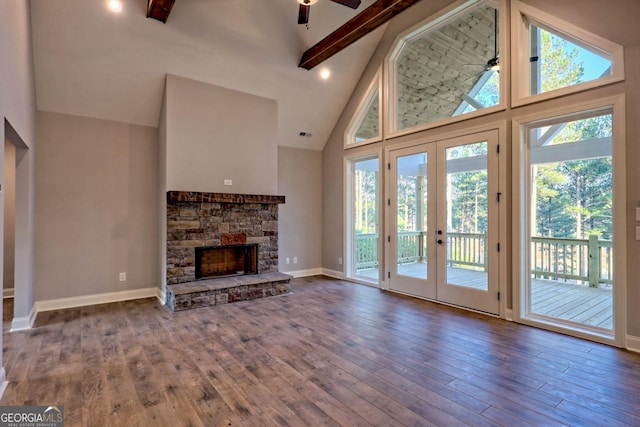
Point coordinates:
[(365, 218), (571, 228), (467, 211), (411, 220)]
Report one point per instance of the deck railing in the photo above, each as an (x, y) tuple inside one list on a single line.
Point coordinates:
[(467, 250), (582, 260)]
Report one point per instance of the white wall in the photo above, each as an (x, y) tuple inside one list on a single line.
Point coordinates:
[(97, 207), (213, 134), (17, 112), (300, 218)]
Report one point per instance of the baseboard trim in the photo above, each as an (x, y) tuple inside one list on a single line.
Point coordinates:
[(333, 273), (161, 294), (509, 315), (24, 323), (304, 273), (633, 343), (62, 303), (8, 293), (3, 382)]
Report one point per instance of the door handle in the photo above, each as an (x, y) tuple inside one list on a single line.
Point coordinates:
[(439, 241)]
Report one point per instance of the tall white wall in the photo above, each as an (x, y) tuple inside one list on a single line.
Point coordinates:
[(97, 204), (300, 218), (215, 134)]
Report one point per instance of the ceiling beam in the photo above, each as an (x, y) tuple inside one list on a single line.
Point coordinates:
[(357, 27), (159, 9)]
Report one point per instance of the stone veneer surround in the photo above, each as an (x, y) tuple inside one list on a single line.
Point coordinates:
[(212, 219)]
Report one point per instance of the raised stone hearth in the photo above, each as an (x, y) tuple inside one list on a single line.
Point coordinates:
[(204, 293)]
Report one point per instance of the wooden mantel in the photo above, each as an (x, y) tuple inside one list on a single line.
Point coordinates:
[(199, 197)]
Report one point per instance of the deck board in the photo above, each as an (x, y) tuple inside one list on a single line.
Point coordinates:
[(562, 300)]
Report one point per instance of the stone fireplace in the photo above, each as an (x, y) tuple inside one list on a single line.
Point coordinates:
[(218, 241)]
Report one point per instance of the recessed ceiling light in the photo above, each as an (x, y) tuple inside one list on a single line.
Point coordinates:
[(325, 73), (114, 5)]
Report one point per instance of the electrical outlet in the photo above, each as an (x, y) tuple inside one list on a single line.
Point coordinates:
[(340, 260), (295, 259), (287, 260), (228, 182), (123, 277)]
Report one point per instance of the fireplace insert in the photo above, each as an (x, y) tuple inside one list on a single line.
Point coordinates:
[(226, 260)]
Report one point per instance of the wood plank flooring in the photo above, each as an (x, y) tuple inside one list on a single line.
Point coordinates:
[(330, 353)]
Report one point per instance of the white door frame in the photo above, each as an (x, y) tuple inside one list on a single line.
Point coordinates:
[(504, 187)]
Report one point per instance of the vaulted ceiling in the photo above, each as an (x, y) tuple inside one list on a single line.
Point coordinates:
[(95, 63)]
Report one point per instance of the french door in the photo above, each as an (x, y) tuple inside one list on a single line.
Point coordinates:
[(443, 206)]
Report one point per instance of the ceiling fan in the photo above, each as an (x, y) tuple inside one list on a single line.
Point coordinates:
[(492, 64), (305, 8)]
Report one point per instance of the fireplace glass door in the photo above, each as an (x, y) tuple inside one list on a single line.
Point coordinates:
[(223, 261)]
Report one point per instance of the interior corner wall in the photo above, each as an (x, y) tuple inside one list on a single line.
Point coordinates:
[(216, 134), (9, 215), (162, 194), (300, 217), (97, 207)]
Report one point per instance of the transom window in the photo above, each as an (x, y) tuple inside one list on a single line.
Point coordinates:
[(447, 68), (365, 126), (451, 67), (557, 62), (556, 58)]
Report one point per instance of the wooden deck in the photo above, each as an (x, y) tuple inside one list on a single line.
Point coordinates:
[(561, 300)]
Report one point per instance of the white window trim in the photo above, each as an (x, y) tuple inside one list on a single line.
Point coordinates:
[(390, 78), (348, 254), (521, 16), (361, 112), (520, 231)]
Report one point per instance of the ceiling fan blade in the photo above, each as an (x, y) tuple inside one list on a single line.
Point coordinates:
[(353, 4), (303, 14)]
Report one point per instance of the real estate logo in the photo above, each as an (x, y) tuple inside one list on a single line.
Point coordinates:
[(31, 416)]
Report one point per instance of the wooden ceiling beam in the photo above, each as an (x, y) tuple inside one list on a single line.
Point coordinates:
[(357, 27), (159, 9)]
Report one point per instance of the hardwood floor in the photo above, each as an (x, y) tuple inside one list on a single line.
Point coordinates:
[(329, 353)]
